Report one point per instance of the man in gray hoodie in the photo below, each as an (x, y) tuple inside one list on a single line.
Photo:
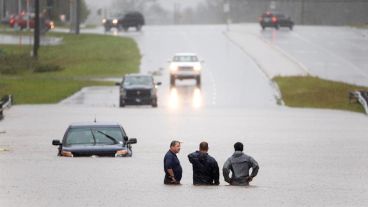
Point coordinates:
[(239, 164)]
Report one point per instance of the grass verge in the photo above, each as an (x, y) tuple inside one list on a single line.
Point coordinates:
[(82, 57), (313, 92)]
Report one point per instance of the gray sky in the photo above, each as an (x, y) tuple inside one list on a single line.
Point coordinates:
[(168, 4)]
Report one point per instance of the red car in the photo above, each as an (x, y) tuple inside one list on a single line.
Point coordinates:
[(21, 22)]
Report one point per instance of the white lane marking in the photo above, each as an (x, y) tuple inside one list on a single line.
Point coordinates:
[(276, 91), (287, 55)]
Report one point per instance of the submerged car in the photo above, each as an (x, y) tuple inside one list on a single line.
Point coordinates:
[(275, 20), (95, 139), (185, 66), (130, 19), (138, 89)]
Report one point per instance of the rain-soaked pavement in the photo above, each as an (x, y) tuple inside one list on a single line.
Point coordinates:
[(307, 157), (21, 39)]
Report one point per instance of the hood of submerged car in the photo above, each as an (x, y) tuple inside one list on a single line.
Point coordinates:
[(94, 150)]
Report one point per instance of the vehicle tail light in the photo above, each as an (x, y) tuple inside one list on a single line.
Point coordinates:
[(66, 154), (274, 19), (120, 153)]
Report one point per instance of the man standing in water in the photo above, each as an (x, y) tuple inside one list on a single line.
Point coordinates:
[(205, 167), (172, 167), (239, 164)]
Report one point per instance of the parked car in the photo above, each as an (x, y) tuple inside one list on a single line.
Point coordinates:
[(185, 66), (138, 89), (275, 20), (95, 139), (130, 19), (21, 21)]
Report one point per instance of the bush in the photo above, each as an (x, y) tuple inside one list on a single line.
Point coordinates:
[(17, 63), (42, 68)]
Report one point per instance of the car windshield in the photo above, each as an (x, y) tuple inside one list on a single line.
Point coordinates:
[(137, 80), (94, 135), (185, 58)]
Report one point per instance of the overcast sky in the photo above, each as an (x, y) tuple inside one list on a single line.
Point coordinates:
[(168, 4)]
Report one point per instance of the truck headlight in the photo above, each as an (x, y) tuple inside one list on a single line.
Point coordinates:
[(122, 92), (103, 21), (173, 68), (115, 21), (197, 68)]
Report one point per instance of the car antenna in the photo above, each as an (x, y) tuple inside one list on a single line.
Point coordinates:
[(95, 119)]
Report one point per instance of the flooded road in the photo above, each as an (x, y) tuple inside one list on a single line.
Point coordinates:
[(307, 157)]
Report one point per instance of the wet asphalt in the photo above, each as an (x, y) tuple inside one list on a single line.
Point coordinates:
[(307, 157)]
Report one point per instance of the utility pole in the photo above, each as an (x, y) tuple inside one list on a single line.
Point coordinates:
[(302, 12), (36, 42), (77, 16), (227, 14), (28, 15), (1, 9), (19, 6)]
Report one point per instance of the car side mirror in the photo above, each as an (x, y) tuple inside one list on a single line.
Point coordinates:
[(125, 138), (158, 83), (132, 141), (117, 83), (56, 142)]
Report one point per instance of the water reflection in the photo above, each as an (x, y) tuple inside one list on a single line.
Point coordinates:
[(174, 98), (183, 96), (197, 98)]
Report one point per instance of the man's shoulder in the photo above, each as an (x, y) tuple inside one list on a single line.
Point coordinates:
[(169, 154), (211, 159)]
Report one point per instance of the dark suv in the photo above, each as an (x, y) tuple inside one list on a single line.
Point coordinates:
[(138, 89), (275, 20), (131, 19)]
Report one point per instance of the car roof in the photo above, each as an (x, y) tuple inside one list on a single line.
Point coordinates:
[(137, 74), (185, 54), (94, 124), (273, 13)]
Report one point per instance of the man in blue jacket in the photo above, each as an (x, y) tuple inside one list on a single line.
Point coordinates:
[(172, 167), (205, 168), (239, 164)]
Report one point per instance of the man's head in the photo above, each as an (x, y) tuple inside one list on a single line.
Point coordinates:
[(238, 146), (175, 146), (203, 147)]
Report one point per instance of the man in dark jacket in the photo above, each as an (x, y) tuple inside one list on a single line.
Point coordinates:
[(172, 167), (239, 164), (205, 168)]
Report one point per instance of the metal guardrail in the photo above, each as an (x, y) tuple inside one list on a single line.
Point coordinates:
[(5, 102), (361, 97)]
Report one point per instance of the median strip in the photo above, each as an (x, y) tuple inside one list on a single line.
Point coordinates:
[(313, 92)]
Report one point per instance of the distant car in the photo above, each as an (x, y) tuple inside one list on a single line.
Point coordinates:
[(185, 66), (131, 19), (138, 89), (21, 21), (275, 20), (95, 139)]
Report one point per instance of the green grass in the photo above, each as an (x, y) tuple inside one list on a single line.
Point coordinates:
[(313, 92), (82, 58)]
